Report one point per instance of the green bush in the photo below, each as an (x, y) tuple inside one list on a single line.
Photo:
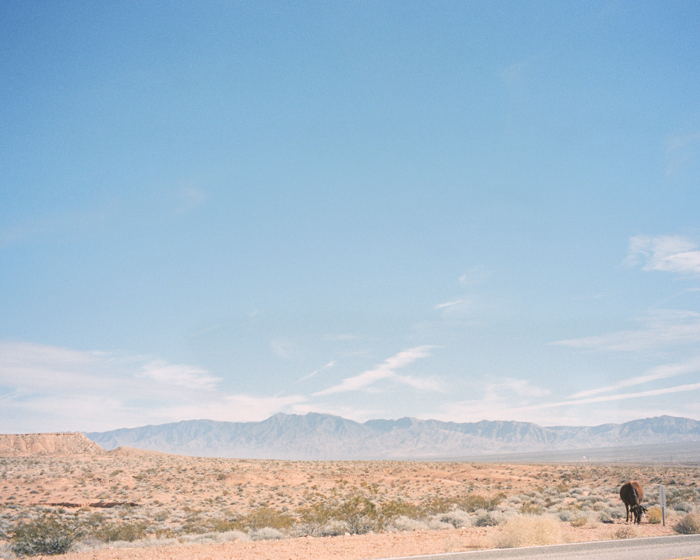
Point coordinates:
[(398, 508), (474, 502), (263, 517), (47, 535)]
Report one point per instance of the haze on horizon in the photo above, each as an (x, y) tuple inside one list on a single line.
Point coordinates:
[(458, 211)]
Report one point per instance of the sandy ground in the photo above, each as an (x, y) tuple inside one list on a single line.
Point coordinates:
[(175, 495)]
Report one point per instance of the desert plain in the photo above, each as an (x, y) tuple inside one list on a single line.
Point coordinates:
[(130, 503)]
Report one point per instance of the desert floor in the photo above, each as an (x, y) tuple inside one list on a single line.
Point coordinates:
[(184, 507)]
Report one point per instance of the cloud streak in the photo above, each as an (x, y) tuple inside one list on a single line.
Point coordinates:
[(313, 373), (456, 304), (661, 329), (619, 397), (660, 372), (387, 370)]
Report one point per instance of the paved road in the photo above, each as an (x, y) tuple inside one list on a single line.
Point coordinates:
[(683, 547)]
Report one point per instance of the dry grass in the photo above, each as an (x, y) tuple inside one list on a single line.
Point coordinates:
[(626, 532), (524, 530), (689, 525), (655, 515)]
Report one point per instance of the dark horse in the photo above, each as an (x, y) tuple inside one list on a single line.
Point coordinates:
[(632, 495)]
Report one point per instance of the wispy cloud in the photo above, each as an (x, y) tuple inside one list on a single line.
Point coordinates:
[(660, 372), (455, 304), (669, 253), (313, 373), (661, 329), (387, 370), (186, 376), (48, 388)]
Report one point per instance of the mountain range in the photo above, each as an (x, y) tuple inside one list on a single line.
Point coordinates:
[(325, 437)]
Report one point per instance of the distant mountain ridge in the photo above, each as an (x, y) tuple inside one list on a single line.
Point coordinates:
[(323, 436)]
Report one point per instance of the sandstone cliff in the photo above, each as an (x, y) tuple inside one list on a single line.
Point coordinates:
[(48, 444)]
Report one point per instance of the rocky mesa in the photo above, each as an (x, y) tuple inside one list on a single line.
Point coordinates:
[(48, 444)]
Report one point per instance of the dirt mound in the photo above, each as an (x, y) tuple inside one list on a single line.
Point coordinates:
[(48, 444)]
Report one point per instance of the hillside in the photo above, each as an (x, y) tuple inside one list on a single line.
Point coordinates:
[(323, 436), (48, 444)]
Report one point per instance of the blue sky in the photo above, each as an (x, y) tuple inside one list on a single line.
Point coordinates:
[(460, 211)]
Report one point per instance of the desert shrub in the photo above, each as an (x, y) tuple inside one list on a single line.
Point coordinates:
[(474, 502), (47, 535), (266, 534), (486, 520), (318, 513), (6, 551), (438, 504), (689, 525), (617, 512), (333, 529), (528, 531), (531, 508), (579, 521), (435, 524), (398, 508), (565, 515), (127, 532), (683, 506), (219, 525), (626, 532), (456, 518), (263, 517), (655, 515), (162, 515), (359, 513), (314, 518), (403, 523), (228, 536)]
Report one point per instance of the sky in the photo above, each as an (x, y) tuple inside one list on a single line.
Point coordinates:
[(462, 211)]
